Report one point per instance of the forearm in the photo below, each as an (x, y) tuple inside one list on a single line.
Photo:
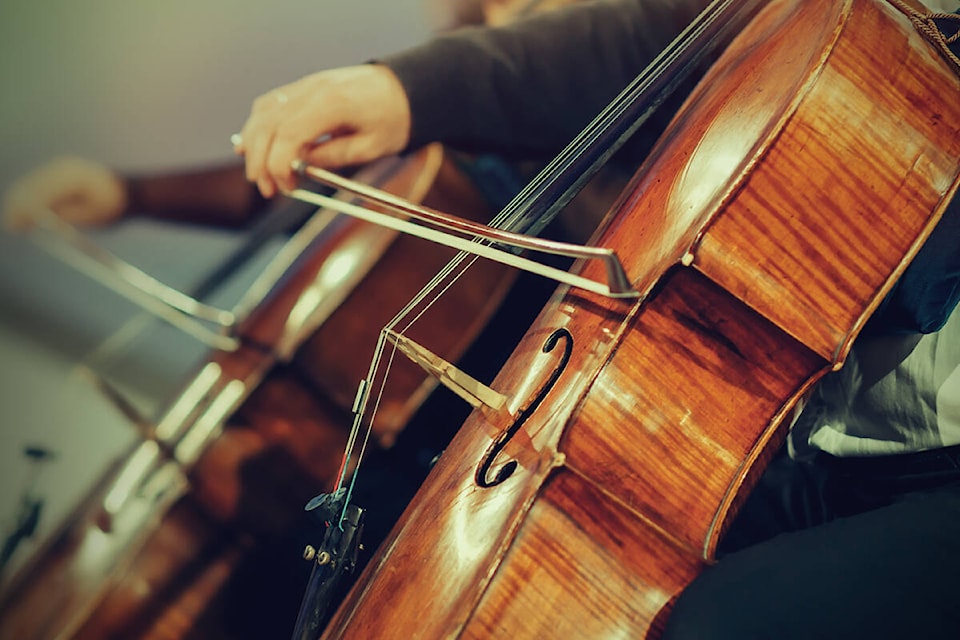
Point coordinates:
[(544, 77), (219, 196)]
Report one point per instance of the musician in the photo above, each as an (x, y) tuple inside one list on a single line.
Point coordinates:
[(855, 530), (867, 506)]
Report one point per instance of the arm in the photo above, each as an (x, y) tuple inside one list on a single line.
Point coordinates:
[(524, 89), (86, 193), (219, 196)]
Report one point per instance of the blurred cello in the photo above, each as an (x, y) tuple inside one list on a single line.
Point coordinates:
[(783, 202), (253, 434)]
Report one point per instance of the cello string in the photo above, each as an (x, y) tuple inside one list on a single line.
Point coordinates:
[(635, 103), (557, 183), (516, 215), (377, 380), (560, 180), (359, 418)]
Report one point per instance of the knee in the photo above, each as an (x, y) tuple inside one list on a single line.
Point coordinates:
[(694, 616), (709, 609)]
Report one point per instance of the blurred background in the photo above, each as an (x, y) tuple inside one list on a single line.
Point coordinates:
[(141, 87)]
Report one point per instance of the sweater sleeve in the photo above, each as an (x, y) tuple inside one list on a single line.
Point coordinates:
[(215, 195), (526, 89)]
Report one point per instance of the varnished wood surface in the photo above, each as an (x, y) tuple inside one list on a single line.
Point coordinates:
[(337, 358), (672, 417), (266, 441), (811, 243), (636, 459)]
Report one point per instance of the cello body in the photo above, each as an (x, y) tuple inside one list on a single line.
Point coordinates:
[(783, 202), (251, 436)]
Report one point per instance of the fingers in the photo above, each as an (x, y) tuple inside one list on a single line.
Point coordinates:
[(281, 123), (30, 196), (293, 137), (341, 152), (79, 191), (19, 211), (257, 136), (333, 118)]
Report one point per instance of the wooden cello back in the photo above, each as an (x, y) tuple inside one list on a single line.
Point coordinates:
[(783, 202)]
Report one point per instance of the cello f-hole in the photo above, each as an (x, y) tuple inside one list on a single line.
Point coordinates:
[(483, 470)]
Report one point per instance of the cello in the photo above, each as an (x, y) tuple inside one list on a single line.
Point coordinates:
[(254, 432), (783, 202)]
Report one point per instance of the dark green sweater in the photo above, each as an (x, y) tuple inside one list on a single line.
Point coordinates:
[(526, 89)]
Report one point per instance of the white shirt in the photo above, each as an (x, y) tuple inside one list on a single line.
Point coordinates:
[(894, 394)]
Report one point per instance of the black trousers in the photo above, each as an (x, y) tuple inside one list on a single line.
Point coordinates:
[(836, 549)]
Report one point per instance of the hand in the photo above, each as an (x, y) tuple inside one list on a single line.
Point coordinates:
[(80, 191), (330, 119)]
